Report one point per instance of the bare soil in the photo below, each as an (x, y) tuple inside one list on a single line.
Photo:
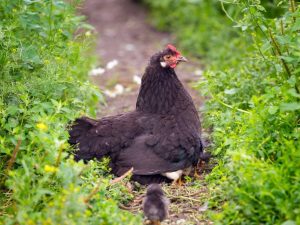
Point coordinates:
[(125, 36)]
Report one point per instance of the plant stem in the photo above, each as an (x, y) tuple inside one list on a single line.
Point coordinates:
[(229, 106), (14, 156), (281, 27), (275, 44), (225, 11), (93, 192), (184, 198), (59, 156), (293, 8), (50, 20)]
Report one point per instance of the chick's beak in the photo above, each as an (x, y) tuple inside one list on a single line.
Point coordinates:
[(181, 58)]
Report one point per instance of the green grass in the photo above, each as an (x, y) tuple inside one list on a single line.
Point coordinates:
[(252, 84), (44, 61)]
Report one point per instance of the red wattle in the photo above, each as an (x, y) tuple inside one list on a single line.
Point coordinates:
[(173, 65)]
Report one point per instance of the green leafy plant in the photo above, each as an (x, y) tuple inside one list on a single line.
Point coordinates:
[(252, 87), (44, 61)]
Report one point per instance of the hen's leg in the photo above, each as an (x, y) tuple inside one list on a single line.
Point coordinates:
[(156, 222), (178, 182), (196, 174)]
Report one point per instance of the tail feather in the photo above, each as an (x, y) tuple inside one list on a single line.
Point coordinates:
[(81, 136)]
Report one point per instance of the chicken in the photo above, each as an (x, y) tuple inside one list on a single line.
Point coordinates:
[(159, 139), (155, 204)]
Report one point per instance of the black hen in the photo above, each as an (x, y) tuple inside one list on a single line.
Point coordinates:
[(162, 135), (155, 204)]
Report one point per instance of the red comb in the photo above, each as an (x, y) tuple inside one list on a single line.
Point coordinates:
[(172, 48)]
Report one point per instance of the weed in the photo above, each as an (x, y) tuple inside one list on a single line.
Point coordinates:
[(252, 80), (44, 62)]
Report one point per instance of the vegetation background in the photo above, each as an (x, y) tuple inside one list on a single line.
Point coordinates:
[(251, 53), (45, 58)]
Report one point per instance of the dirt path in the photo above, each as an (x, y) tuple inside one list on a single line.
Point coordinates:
[(125, 43)]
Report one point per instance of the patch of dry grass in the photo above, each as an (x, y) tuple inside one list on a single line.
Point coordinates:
[(188, 202)]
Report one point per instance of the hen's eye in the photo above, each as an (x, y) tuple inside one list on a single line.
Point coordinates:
[(167, 57)]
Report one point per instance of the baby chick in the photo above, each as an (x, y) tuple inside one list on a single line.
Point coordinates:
[(155, 204)]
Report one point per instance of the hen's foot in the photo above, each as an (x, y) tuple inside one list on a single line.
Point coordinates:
[(178, 182)]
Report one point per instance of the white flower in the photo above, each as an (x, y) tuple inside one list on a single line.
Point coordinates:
[(112, 64), (198, 72), (118, 90), (96, 71), (137, 79)]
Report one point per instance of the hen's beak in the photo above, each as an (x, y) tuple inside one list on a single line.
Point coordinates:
[(181, 59)]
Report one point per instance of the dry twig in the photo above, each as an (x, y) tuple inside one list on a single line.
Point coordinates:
[(118, 179)]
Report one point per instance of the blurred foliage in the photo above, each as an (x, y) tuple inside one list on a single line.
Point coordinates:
[(251, 49), (44, 61), (198, 24)]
